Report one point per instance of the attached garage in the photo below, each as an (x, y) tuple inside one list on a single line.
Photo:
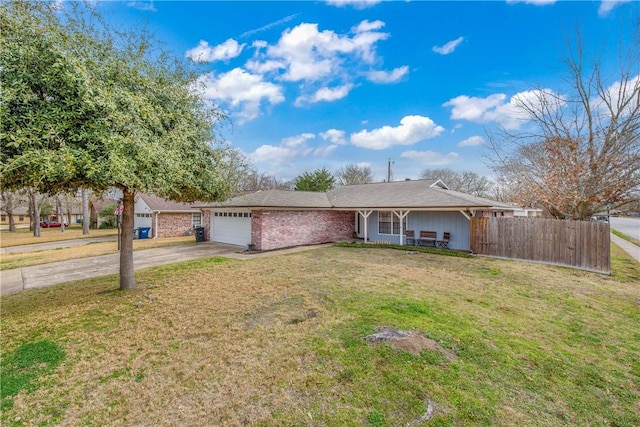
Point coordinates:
[(229, 227)]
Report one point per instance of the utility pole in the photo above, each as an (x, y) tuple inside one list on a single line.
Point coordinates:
[(389, 170)]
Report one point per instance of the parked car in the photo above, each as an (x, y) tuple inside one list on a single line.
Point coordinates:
[(51, 224)]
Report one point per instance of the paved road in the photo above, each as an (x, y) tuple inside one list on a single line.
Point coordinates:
[(628, 226)]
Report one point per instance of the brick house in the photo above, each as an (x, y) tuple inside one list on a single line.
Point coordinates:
[(274, 219), (165, 218)]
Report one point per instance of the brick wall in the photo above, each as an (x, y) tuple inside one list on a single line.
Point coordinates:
[(171, 224), (281, 229)]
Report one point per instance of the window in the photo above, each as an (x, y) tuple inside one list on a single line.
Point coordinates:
[(196, 219), (387, 220)]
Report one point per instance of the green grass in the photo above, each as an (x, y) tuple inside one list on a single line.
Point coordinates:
[(280, 341), (422, 249), (625, 237)]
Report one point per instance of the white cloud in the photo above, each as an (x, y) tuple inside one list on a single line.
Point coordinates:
[(146, 6), (310, 54), (411, 130), (619, 93), (324, 151), (278, 155), (242, 91), (290, 149), (448, 47), (222, 52), (471, 141), (607, 6), (297, 140), (357, 4), (269, 26), (366, 26), (335, 136), (387, 76), (533, 2), (495, 108), (325, 94), (430, 158)]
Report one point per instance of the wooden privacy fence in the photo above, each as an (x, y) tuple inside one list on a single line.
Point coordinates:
[(579, 244)]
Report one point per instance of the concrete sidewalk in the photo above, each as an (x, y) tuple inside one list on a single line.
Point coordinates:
[(628, 247)]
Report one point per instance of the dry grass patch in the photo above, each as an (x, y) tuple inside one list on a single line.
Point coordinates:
[(280, 341), (26, 259), (25, 237)]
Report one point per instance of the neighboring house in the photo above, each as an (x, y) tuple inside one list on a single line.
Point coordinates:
[(166, 218), (95, 206), (274, 219), (20, 217)]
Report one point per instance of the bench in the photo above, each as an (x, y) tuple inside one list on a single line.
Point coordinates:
[(427, 238)]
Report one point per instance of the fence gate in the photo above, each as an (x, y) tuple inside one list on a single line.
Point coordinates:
[(579, 244)]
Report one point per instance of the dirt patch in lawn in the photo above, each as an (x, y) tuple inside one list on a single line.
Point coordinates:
[(410, 341)]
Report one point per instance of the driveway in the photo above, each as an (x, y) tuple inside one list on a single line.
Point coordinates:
[(39, 276)]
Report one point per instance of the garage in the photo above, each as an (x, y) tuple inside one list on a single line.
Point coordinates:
[(231, 227)]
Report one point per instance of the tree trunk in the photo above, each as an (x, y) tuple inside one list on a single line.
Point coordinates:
[(12, 222), (85, 212), (35, 217), (127, 278)]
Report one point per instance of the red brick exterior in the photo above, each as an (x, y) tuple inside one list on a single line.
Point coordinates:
[(281, 229), (172, 224)]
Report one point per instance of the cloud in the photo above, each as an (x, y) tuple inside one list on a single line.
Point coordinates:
[(222, 52), (411, 130), (269, 26), (607, 6), (387, 76), (335, 136), (290, 149), (495, 108), (533, 2), (430, 158), (357, 4), (243, 92), (146, 6), (325, 94), (448, 47), (309, 54), (471, 141)]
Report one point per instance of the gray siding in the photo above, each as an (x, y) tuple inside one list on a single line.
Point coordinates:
[(453, 222)]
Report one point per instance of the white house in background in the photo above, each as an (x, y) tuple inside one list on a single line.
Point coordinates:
[(165, 218), (527, 212)]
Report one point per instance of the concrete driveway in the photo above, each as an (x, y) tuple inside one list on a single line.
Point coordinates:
[(39, 276)]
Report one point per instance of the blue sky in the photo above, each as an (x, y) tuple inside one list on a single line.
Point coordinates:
[(312, 84)]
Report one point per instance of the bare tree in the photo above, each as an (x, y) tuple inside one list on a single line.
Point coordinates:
[(352, 174), (85, 211), (255, 181), (579, 152), (465, 182)]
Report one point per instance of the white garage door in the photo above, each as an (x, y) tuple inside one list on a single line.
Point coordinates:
[(231, 227)]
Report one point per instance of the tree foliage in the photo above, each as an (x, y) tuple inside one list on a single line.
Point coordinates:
[(318, 180), (465, 182), (86, 106), (352, 174), (579, 153)]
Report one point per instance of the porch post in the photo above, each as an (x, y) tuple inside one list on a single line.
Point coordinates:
[(401, 216), (365, 214)]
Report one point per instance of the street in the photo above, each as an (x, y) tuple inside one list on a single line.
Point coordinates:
[(628, 226)]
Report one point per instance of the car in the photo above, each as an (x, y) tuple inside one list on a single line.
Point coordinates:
[(51, 224)]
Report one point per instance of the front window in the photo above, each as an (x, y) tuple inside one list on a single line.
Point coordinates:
[(389, 223), (196, 219)]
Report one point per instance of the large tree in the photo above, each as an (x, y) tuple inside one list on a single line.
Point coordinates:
[(354, 174), (465, 181), (318, 180), (579, 151), (85, 106)]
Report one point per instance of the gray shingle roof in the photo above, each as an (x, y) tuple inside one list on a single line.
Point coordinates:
[(418, 194), (159, 204)]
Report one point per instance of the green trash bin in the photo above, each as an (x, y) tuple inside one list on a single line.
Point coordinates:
[(199, 232)]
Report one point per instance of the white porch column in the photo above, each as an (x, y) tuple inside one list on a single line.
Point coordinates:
[(401, 216), (365, 214)]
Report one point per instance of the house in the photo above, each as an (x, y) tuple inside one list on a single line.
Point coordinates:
[(21, 217), (166, 218), (274, 219)]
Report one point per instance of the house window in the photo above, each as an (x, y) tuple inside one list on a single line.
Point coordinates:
[(196, 219), (4, 217), (388, 223)]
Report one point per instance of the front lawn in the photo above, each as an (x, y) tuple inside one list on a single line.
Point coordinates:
[(25, 237), (279, 340)]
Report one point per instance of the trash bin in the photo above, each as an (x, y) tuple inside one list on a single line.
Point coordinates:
[(144, 232), (199, 232), (136, 233)]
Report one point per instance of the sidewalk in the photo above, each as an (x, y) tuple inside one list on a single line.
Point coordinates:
[(627, 246)]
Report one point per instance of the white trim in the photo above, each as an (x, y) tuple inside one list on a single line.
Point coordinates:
[(466, 215), (365, 214)]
